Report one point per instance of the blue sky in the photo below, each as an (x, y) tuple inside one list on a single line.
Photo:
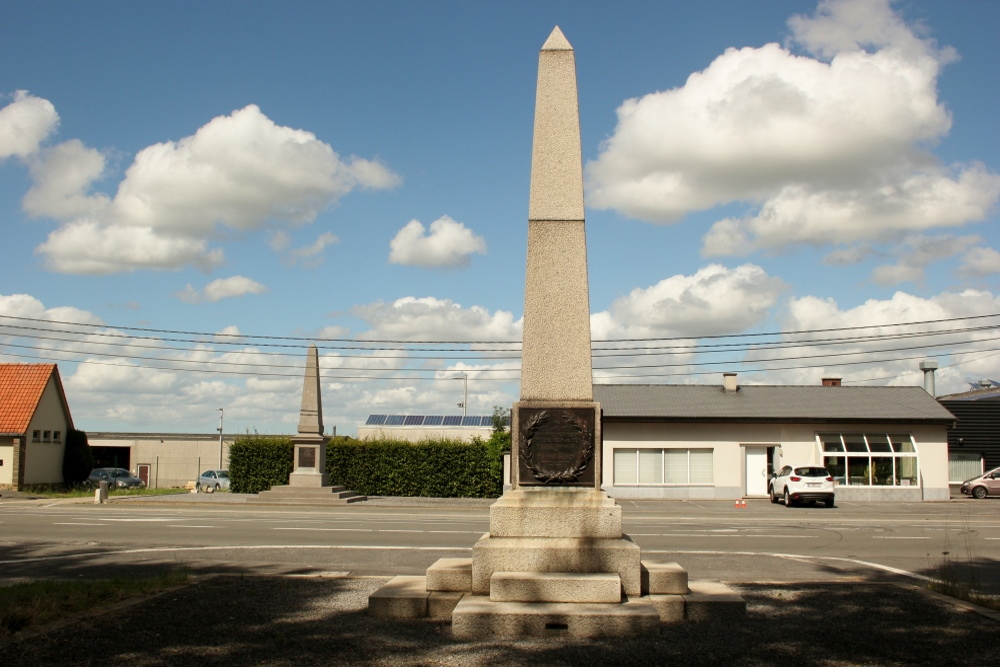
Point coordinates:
[(358, 171)]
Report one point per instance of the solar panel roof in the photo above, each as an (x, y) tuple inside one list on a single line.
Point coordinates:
[(394, 420), (413, 420), (375, 420)]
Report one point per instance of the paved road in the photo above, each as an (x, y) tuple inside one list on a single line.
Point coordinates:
[(711, 539)]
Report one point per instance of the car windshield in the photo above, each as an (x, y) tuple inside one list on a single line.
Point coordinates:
[(223, 474), (812, 472), (120, 472)]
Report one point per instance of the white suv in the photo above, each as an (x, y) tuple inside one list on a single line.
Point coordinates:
[(806, 483)]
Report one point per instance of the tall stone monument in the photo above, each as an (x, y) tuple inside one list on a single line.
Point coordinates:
[(309, 466), (555, 559), (308, 483)]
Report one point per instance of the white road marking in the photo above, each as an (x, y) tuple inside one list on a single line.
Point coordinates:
[(141, 520), (80, 524), (898, 537), (180, 526)]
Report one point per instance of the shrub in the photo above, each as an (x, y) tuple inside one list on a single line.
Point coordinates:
[(430, 468), (258, 462)]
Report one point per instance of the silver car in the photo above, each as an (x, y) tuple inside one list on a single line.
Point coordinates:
[(117, 478), (987, 484), (216, 480)]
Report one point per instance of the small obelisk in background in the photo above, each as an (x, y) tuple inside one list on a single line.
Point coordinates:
[(309, 468)]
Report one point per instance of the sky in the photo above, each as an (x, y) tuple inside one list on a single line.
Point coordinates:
[(191, 193)]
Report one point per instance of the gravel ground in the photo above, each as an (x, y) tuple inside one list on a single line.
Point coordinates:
[(323, 621)]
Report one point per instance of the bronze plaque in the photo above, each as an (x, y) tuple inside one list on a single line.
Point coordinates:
[(307, 457), (556, 446)]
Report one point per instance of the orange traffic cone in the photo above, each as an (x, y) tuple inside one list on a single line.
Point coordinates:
[(743, 504), (737, 505)]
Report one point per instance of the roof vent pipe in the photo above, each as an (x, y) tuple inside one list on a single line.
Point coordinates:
[(831, 382), (928, 367), (729, 382)]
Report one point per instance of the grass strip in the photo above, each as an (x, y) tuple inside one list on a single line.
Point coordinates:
[(35, 603)]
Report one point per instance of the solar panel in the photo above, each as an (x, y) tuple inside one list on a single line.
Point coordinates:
[(413, 420), (394, 420), (453, 420), (487, 421), (471, 421), (375, 420), (433, 420)]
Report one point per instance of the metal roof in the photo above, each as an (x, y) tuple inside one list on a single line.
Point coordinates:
[(688, 402)]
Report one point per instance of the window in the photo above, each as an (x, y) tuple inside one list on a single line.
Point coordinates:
[(36, 436), (870, 459), (56, 436), (663, 467), (964, 465), (46, 436)]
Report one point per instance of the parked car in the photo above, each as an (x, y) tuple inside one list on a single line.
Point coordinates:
[(806, 483), (117, 478), (216, 480), (987, 484)]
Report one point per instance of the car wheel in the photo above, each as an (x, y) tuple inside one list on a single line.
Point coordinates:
[(216, 487), (788, 499), (979, 492), (828, 502), (770, 493)]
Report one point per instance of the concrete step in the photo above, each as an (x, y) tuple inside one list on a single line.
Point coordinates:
[(297, 495), (713, 601), (664, 579), (401, 598), (605, 587), (478, 617), (450, 574)]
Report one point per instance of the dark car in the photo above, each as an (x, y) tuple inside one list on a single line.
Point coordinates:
[(117, 478)]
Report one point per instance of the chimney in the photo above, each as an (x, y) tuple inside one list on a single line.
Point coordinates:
[(729, 382), (928, 367), (831, 382)]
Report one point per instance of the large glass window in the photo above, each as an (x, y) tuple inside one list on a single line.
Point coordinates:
[(663, 467), (870, 459)]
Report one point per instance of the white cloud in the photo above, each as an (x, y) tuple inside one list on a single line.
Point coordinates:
[(713, 300), (27, 306), (449, 244), (831, 152), (222, 288), (916, 252), (240, 171), (980, 262), (429, 318), (24, 124), (62, 175), (893, 361), (310, 255)]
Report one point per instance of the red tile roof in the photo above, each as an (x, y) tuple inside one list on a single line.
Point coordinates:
[(21, 387)]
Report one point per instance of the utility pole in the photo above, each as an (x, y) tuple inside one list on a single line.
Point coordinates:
[(465, 398), (221, 415)]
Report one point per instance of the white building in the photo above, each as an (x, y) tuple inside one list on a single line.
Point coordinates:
[(721, 441)]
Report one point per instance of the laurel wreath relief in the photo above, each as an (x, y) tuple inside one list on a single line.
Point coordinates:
[(542, 474)]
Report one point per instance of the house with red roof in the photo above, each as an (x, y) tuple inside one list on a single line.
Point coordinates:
[(34, 421)]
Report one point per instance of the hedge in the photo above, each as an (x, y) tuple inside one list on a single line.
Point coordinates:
[(258, 462), (431, 468)]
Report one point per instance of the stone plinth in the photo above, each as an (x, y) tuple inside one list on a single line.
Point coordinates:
[(401, 598), (555, 554), (664, 579), (450, 574), (555, 512), (555, 587), (476, 617)]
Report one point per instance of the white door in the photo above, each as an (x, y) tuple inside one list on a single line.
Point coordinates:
[(756, 471)]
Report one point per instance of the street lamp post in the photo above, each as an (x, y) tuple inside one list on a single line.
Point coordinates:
[(465, 399), (221, 415)]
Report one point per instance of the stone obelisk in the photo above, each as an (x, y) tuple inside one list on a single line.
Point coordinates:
[(556, 429), (309, 467)]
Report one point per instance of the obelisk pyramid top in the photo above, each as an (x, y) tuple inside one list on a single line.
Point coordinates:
[(557, 41), (311, 413)]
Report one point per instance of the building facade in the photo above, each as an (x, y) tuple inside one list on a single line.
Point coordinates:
[(34, 422), (723, 442)]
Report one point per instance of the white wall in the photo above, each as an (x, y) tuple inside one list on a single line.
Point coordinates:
[(43, 460), (418, 433), (173, 462), (797, 443)]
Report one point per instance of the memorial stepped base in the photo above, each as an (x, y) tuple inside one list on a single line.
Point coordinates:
[(532, 604), (299, 495)]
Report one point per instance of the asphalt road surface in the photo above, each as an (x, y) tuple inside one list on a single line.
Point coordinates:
[(957, 540)]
